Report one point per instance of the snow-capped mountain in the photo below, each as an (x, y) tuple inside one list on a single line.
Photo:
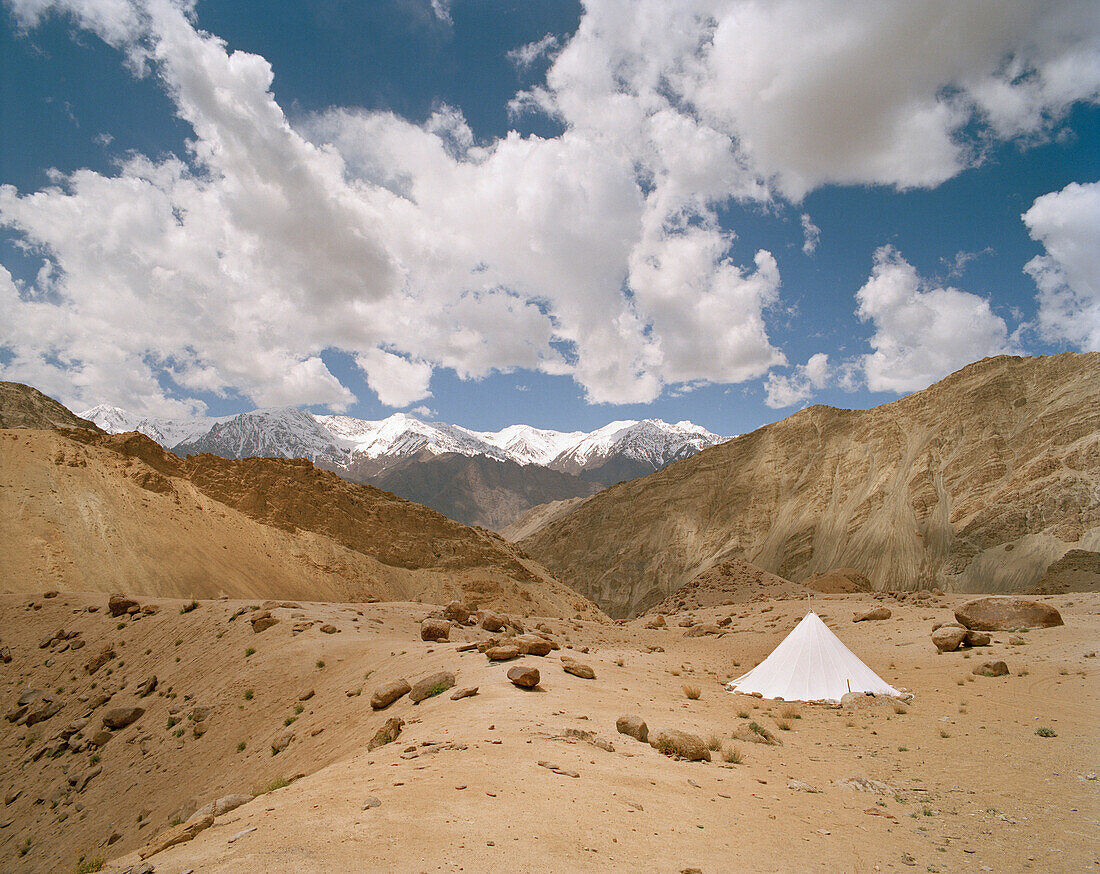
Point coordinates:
[(632, 448), (166, 432)]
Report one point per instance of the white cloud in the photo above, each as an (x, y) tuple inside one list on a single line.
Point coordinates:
[(922, 333), (1067, 223), (786, 391), (525, 56), (811, 235), (597, 253), (423, 412)]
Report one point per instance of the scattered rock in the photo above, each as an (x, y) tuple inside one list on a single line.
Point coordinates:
[(503, 653), (100, 738), (948, 638), (977, 638), (859, 700), (533, 644), (862, 784), (875, 614), (633, 726), (371, 802), (524, 677), (492, 622), (577, 669), (435, 630), (456, 611), (40, 712), (178, 834), (387, 733), (702, 629), (282, 741), (386, 694), (120, 717), (120, 604), (682, 744), (100, 659), (263, 621), (1002, 613), (991, 669), (657, 621), (328, 629), (799, 786), (464, 693), (305, 696), (430, 686), (146, 687)]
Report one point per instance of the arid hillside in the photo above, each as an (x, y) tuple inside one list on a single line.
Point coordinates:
[(976, 484), (24, 407), (80, 511)]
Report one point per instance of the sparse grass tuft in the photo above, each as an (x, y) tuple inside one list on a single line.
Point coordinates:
[(742, 714), (187, 608), (290, 720), (320, 663), (250, 651), (277, 783), (900, 709), (732, 755), (714, 743), (438, 689), (241, 746), (692, 692), (298, 708), (790, 712), (1046, 732), (944, 733), (248, 693), (783, 725), (755, 726), (120, 626), (87, 866)]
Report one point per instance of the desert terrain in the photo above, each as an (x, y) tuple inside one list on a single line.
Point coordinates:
[(539, 779)]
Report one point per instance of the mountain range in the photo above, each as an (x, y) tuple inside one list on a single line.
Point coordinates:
[(486, 478)]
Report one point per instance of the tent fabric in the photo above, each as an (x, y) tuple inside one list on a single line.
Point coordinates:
[(811, 664)]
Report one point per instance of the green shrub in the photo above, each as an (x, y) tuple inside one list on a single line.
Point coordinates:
[(1046, 732), (241, 746), (248, 693), (87, 866), (277, 783), (250, 651)]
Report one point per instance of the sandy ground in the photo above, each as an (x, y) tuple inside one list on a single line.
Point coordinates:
[(971, 787)]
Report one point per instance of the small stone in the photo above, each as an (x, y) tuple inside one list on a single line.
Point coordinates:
[(100, 659), (263, 621), (241, 834), (146, 687), (578, 670), (305, 696), (282, 741), (523, 676), (977, 638), (464, 693), (120, 717), (386, 694), (533, 644), (673, 742), (371, 802), (633, 726), (991, 669), (800, 786)]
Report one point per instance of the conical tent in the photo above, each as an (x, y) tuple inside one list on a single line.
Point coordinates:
[(811, 664)]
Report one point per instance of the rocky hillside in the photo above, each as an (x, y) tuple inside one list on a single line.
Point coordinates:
[(24, 407), (975, 484), (473, 490), (81, 511)]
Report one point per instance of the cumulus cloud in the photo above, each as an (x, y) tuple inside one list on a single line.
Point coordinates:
[(1067, 223), (597, 253), (799, 386), (922, 332)]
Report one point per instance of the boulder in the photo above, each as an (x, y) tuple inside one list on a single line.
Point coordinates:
[(577, 669), (263, 621), (387, 733), (991, 669), (120, 604), (874, 614), (177, 834), (230, 802), (977, 638), (1001, 613), (120, 717), (282, 741), (492, 622), (633, 726), (681, 744), (703, 628), (657, 621), (386, 694), (502, 653), (435, 630), (524, 677), (533, 644), (948, 638), (41, 711), (431, 685), (100, 659), (100, 738), (456, 611)]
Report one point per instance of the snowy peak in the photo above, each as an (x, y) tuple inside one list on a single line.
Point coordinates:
[(622, 449)]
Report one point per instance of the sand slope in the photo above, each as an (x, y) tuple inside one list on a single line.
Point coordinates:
[(968, 784)]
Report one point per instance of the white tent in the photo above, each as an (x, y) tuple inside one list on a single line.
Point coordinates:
[(811, 664)]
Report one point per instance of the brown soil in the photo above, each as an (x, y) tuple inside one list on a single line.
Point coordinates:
[(970, 786)]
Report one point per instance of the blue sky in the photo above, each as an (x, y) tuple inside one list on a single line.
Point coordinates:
[(497, 212)]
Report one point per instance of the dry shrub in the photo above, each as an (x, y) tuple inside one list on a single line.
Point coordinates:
[(692, 692)]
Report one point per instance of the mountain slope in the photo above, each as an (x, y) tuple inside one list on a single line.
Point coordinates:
[(85, 512), (24, 407), (977, 484), (473, 490)]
